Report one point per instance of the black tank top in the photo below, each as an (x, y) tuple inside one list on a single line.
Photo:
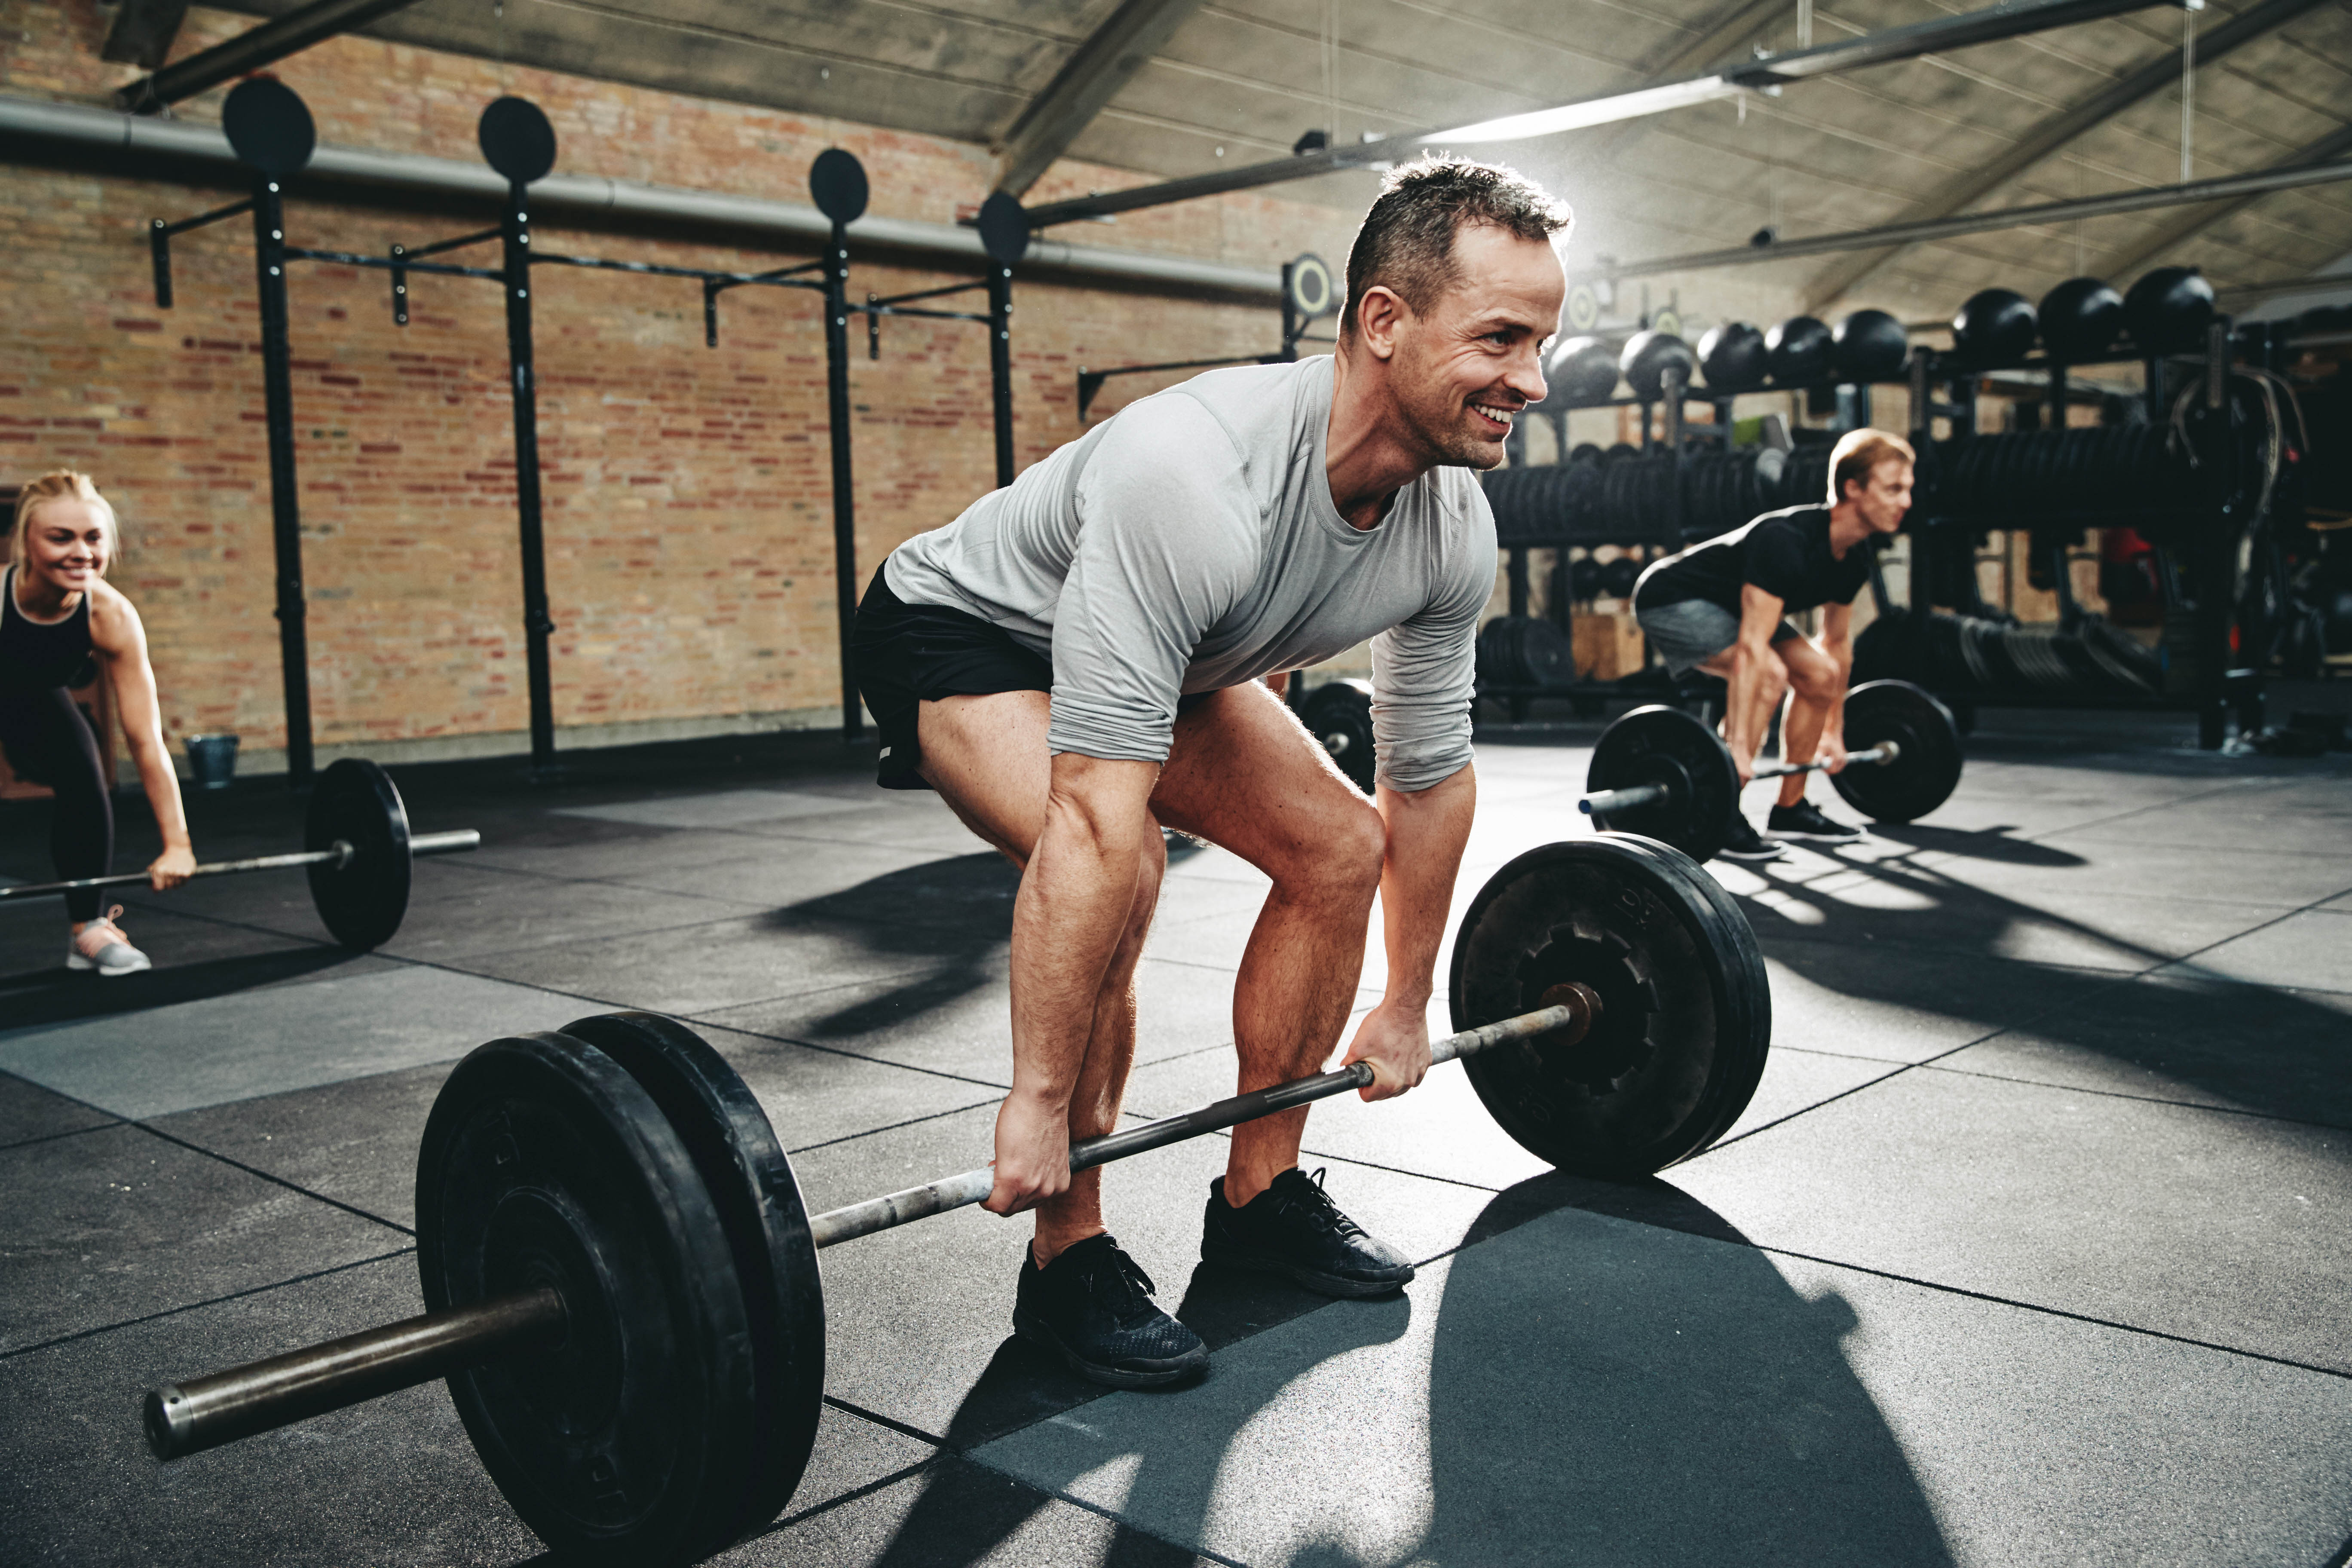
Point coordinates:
[(35, 657)]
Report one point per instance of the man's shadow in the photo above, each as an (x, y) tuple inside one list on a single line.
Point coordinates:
[(1596, 1392)]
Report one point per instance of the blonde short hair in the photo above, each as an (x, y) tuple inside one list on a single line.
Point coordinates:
[(1857, 456), (62, 484)]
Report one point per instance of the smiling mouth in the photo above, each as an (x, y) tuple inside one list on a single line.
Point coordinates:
[(1500, 418)]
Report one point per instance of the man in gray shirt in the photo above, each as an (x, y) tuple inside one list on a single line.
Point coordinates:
[(1075, 663)]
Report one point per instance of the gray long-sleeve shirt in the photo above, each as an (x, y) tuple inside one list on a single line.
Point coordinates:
[(1192, 544)]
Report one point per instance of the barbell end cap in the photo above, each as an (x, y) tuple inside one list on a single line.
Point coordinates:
[(1888, 751), (170, 1434), (1585, 807)]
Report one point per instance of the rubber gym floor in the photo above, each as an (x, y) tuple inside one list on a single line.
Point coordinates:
[(2035, 1245)]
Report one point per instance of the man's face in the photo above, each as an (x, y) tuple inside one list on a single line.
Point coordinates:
[(1887, 496), (1465, 369)]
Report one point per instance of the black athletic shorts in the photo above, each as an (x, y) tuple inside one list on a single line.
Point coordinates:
[(907, 655)]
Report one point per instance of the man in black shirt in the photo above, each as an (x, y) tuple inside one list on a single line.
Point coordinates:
[(1720, 607)]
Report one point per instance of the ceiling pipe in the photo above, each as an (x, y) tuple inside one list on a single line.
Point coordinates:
[(200, 155), (1766, 72), (2107, 205)]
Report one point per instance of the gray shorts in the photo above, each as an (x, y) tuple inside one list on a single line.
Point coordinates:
[(1689, 633)]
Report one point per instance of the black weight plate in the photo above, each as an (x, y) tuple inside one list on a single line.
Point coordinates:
[(1923, 777), (1338, 713), (837, 185), (1686, 1014), (757, 1198), (1665, 745), (362, 904), (269, 126), (516, 139), (544, 1163)]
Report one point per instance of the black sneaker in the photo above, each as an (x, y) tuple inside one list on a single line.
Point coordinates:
[(1294, 1230), (1092, 1305), (1806, 820), (1746, 844)]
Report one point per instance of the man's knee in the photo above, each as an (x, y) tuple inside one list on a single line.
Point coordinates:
[(1343, 865), (1814, 679)]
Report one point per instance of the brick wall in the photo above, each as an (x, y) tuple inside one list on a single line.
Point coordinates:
[(687, 497)]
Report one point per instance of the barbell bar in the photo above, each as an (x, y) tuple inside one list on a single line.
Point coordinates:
[(1609, 800), (621, 1279), (1663, 772), (337, 856), (357, 849), (205, 1413)]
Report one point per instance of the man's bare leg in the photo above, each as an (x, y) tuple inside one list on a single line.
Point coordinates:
[(987, 757), (1245, 776), (1812, 686)]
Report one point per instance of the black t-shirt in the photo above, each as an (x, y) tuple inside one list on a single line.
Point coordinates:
[(1786, 553)]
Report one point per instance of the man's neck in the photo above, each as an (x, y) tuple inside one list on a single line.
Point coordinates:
[(1367, 456), (1848, 528)]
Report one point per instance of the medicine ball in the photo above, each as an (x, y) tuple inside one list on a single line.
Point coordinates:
[(2168, 310), (1869, 345), (1995, 326), (1732, 356), (1582, 370), (1647, 358), (1797, 351), (2081, 320)]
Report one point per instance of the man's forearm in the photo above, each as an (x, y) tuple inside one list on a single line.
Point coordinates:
[(1072, 906), (1426, 833)]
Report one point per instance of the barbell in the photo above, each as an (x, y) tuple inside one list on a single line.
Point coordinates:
[(356, 846), (621, 1276), (1662, 772)]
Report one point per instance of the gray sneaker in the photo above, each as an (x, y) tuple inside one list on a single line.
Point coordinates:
[(101, 945)]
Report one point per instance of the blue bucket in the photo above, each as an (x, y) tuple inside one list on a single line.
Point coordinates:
[(213, 760)]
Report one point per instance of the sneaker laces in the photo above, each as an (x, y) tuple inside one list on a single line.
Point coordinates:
[(1307, 1193), (95, 934), (1123, 1287)]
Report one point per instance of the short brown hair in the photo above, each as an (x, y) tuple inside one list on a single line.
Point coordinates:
[(62, 484), (1407, 242), (1857, 456)]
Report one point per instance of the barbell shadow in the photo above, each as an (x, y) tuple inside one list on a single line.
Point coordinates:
[(57, 995), (2271, 1054), (1977, 843)]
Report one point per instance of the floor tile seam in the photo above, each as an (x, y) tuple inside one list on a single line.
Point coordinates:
[(855, 1494), (742, 912), (1201, 1553), (194, 1148), (707, 1021), (2027, 1021), (55, 1137), (2313, 907), (2044, 1309), (893, 1127), (891, 1422), (1794, 933), (209, 1302), (2139, 1099), (2223, 787), (613, 882)]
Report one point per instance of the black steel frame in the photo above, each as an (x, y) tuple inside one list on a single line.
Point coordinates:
[(513, 274)]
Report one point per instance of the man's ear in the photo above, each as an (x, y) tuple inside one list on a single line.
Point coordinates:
[(1380, 314)]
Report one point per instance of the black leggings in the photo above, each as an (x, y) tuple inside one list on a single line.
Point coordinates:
[(48, 741)]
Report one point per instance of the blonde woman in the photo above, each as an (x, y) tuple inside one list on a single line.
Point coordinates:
[(55, 612)]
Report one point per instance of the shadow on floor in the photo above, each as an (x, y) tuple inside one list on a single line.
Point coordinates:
[(2257, 1047), (1575, 1392), (59, 995)]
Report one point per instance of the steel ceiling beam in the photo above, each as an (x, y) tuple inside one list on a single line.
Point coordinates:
[(2008, 20), (142, 32), (250, 51), (2188, 224), (1088, 80), (2226, 187), (1972, 185)]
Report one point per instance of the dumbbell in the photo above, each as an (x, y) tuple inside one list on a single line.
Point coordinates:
[(1659, 772), (621, 1276), (356, 846)]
